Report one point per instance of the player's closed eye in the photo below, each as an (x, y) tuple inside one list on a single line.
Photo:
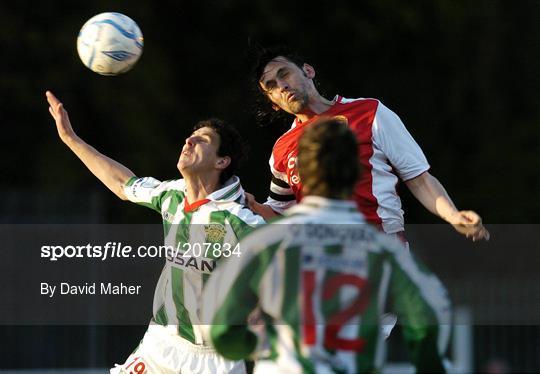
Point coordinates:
[(270, 86), (283, 74)]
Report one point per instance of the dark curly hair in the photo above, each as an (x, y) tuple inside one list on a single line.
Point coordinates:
[(260, 57), (328, 159), (230, 144)]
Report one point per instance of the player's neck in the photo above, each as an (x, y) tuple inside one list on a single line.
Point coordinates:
[(199, 187), (316, 106)]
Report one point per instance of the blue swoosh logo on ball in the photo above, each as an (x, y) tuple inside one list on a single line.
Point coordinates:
[(123, 31)]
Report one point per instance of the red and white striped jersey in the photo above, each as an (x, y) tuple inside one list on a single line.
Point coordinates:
[(386, 151)]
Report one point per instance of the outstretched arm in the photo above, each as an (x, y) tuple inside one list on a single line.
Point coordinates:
[(431, 193), (113, 174)]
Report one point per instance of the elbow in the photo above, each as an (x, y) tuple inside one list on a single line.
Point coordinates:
[(234, 343), (418, 180)]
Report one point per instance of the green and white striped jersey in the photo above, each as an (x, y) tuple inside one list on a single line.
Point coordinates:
[(195, 241), (320, 277)]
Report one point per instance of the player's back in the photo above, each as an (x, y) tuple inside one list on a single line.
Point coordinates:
[(320, 275), (330, 281)]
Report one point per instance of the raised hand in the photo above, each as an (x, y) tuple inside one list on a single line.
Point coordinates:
[(60, 115)]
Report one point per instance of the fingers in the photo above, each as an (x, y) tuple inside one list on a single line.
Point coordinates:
[(53, 101), (479, 234), (469, 223), (470, 217)]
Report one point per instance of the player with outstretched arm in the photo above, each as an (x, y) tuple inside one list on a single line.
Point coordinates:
[(319, 277), (386, 150), (205, 207)]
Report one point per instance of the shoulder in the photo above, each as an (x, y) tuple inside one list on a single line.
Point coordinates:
[(174, 184), (245, 214), (265, 236), (172, 187), (361, 102), (290, 135)]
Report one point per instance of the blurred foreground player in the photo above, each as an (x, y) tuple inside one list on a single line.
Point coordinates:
[(320, 277), (205, 208)]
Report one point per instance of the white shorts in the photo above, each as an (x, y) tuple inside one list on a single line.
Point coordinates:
[(162, 351)]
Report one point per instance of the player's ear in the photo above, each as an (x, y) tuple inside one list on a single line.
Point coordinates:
[(309, 71), (223, 162)]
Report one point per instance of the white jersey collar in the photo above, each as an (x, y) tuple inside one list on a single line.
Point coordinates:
[(230, 191), (324, 203)]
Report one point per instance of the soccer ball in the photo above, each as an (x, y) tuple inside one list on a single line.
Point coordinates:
[(110, 43)]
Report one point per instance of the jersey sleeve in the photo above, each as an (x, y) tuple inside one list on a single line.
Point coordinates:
[(423, 309), (229, 298), (243, 220), (281, 196), (393, 139), (233, 293), (146, 191)]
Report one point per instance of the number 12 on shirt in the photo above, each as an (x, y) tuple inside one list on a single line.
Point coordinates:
[(324, 291)]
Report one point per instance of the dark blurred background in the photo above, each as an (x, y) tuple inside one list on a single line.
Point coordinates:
[(462, 75)]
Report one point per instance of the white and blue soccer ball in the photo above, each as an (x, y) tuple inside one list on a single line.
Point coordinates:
[(110, 43)]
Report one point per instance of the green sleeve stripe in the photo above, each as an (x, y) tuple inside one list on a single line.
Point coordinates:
[(149, 205), (418, 318), (131, 181), (230, 333), (155, 202), (291, 311), (369, 326), (290, 308)]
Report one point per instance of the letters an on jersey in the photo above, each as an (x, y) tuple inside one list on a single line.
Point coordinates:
[(196, 240)]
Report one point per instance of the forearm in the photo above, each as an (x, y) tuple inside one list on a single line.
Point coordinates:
[(111, 173), (433, 196), (263, 210)]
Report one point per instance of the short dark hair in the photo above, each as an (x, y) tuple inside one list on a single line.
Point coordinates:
[(230, 144), (261, 56), (328, 158)]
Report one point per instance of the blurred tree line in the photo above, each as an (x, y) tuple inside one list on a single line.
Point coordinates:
[(462, 76)]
